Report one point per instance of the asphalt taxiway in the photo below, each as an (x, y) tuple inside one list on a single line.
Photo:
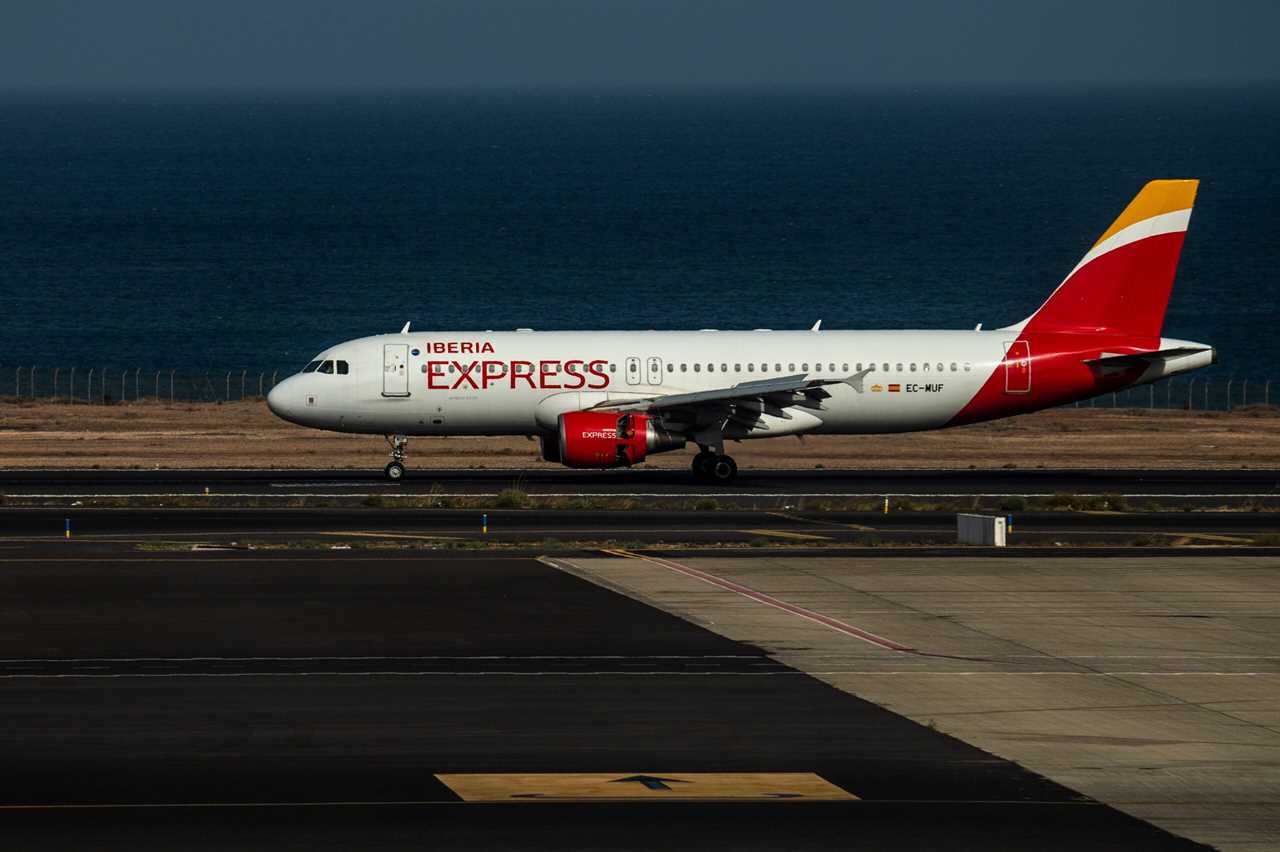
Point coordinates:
[(298, 700), (443, 527), (752, 485)]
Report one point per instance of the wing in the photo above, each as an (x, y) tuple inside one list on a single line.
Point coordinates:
[(744, 403)]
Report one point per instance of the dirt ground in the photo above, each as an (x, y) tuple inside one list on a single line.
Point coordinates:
[(245, 434)]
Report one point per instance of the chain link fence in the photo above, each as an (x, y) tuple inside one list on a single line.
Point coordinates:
[(103, 385)]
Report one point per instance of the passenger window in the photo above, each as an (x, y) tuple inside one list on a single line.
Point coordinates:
[(968, 365), (684, 368), (953, 366), (817, 368), (777, 368), (886, 367), (925, 366), (671, 368), (913, 367), (613, 368), (737, 368), (724, 368), (326, 367), (311, 368), (697, 368), (343, 368), (844, 368), (711, 368), (940, 367), (751, 368), (764, 368), (899, 366)]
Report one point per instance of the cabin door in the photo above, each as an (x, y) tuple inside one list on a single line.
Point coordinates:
[(395, 369), (1017, 367)]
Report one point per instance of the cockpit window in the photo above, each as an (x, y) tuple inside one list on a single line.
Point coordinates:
[(343, 369), (311, 368), (326, 367)]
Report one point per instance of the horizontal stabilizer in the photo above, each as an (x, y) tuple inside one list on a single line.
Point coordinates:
[(1145, 357)]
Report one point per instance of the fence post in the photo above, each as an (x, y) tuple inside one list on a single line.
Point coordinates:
[(227, 398), (273, 379), (31, 380), (1266, 393), (123, 375), (1229, 383), (1244, 393), (1206, 394), (243, 373), (157, 393), (137, 383), (17, 382), (53, 391), (88, 393), (71, 391), (260, 384)]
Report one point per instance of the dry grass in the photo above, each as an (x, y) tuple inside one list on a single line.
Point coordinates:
[(245, 434)]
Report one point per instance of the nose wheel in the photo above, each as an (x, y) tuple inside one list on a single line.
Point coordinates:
[(394, 471), (711, 467)]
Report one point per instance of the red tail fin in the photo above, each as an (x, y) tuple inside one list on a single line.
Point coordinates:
[(1122, 284)]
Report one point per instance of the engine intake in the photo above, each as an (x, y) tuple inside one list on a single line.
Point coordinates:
[(605, 439)]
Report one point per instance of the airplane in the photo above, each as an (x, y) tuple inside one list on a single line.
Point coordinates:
[(606, 399)]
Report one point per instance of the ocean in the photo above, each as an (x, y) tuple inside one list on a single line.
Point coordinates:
[(239, 232)]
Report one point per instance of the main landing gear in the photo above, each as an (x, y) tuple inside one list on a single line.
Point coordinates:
[(713, 467), (394, 471)]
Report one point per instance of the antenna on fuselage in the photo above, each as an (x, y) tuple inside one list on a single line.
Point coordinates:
[(977, 327), (817, 326), (405, 330)]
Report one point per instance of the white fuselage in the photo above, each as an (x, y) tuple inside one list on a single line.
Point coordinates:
[(518, 383)]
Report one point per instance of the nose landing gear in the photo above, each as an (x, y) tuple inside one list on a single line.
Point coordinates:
[(394, 471)]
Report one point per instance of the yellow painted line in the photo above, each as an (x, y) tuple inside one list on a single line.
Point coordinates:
[(816, 523), (388, 535), (1184, 537), (643, 786), (785, 534)]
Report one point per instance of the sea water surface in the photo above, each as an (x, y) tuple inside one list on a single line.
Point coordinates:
[(248, 232)]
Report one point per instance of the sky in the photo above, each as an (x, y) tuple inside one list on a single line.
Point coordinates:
[(412, 44)]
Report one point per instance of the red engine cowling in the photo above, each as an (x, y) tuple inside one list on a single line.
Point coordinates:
[(609, 439)]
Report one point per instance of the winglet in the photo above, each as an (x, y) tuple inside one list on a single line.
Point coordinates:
[(405, 330), (855, 381)]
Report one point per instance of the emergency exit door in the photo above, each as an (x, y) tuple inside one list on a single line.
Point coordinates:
[(653, 373), (1017, 367), (395, 369), (633, 371)]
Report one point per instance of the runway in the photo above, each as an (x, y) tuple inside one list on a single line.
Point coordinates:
[(752, 485), (304, 699)]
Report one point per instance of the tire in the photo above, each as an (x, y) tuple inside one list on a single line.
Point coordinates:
[(702, 465), (723, 470), (394, 472)]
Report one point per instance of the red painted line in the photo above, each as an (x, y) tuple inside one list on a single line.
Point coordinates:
[(768, 600)]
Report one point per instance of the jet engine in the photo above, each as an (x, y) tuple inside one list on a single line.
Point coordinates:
[(608, 439)]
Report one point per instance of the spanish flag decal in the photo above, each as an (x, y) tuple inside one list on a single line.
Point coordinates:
[(895, 388)]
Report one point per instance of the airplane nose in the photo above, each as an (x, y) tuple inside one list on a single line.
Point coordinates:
[(278, 400)]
